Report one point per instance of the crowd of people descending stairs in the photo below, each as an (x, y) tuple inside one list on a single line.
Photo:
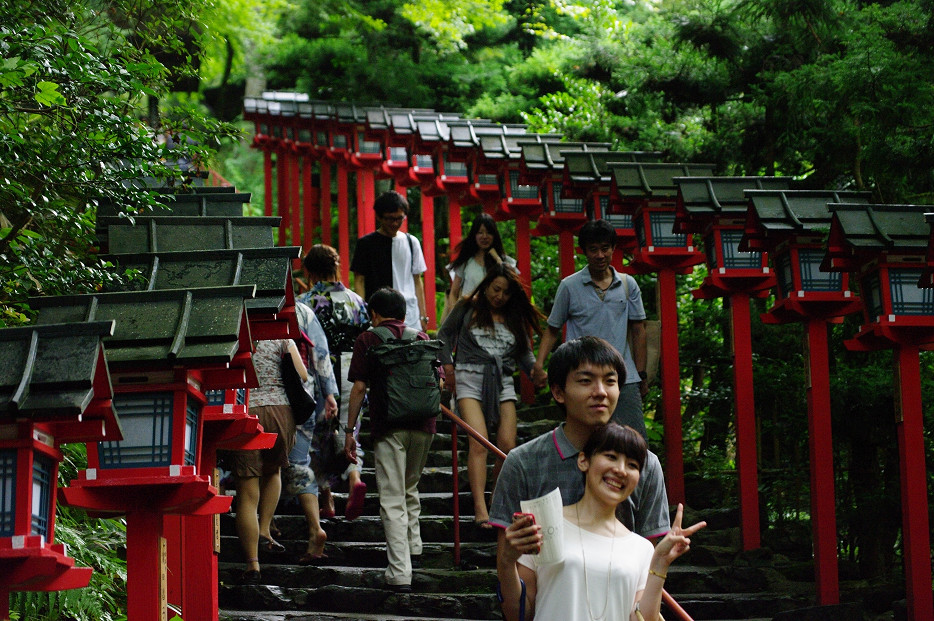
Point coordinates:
[(609, 489)]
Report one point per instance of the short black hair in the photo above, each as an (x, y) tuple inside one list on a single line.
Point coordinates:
[(621, 439), (586, 349), (596, 232), (390, 202), (388, 302)]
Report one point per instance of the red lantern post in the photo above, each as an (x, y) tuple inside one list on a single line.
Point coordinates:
[(886, 245), (715, 207), (55, 389), (790, 226)]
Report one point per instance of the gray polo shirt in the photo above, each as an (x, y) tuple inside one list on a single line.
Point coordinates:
[(578, 305), (550, 460)]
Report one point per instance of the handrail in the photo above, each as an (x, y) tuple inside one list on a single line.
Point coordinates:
[(473, 433)]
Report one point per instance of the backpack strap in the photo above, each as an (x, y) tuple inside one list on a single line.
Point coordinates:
[(411, 252), (384, 333)]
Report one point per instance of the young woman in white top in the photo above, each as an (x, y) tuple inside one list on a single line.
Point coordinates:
[(608, 572), (480, 250)]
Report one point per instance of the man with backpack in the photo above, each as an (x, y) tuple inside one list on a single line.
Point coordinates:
[(400, 366)]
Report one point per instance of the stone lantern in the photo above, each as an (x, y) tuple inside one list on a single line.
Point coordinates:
[(715, 208), (168, 347), (885, 246), (54, 389), (791, 226)]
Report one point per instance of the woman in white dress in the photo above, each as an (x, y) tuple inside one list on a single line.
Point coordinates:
[(608, 572)]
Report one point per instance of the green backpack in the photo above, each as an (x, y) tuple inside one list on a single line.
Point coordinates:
[(408, 377)]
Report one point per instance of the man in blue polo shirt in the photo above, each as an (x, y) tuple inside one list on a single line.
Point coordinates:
[(599, 301)]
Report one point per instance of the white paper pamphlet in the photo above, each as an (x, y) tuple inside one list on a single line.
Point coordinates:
[(549, 515)]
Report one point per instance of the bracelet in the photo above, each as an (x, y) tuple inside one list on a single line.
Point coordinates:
[(655, 573), (424, 317)]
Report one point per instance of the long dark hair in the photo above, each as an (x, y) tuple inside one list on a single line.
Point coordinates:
[(468, 247), (522, 317)]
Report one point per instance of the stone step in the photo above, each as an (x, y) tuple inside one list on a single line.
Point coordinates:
[(270, 615), (434, 528), (372, 554), (362, 599)]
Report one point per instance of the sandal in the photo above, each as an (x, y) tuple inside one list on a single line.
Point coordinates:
[(251, 575), (274, 530), (270, 545)]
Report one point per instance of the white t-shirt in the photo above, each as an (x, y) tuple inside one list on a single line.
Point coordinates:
[(405, 267), (560, 586), (473, 273)]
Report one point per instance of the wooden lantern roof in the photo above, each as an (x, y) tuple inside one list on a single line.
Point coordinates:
[(548, 155), (181, 233), (463, 138), (57, 374), (199, 329), (774, 215), (702, 199), (927, 275), (585, 168), (267, 268), (860, 232), (652, 180)]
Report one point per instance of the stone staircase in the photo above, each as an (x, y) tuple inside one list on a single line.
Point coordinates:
[(714, 581)]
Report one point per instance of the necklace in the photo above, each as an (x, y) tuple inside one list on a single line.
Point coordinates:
[(609, 569)]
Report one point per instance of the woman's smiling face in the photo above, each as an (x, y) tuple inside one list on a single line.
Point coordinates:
[(610, 475)]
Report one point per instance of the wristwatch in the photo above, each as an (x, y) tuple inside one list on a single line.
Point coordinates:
[(643, 375)]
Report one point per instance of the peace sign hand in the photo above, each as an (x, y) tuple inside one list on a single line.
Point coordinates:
[(677, 541)]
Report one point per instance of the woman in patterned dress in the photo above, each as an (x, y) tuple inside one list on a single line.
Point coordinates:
[(488, 334)]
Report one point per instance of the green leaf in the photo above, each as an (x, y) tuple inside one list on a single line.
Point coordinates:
[(48, 94)]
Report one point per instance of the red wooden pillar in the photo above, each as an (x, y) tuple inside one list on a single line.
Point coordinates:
[(361, 205), (524, 263), (310, 199), (282, 193), (428, 249), (455, 225), (200, 591), (670, 377), (915, 523), (746, 451), (566, 252), (365, 205), (343, 220), (325, 207), (820, 440), (146, 564), (267, 182), (175, 559), (524, 252), (295, 201)]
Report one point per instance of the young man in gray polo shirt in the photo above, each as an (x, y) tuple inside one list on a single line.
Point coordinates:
[(599, 301), (584, 375)]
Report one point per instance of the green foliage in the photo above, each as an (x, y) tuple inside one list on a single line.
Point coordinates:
[(71, 133)]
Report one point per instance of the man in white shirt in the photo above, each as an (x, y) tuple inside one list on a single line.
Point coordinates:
[(389, 257)]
